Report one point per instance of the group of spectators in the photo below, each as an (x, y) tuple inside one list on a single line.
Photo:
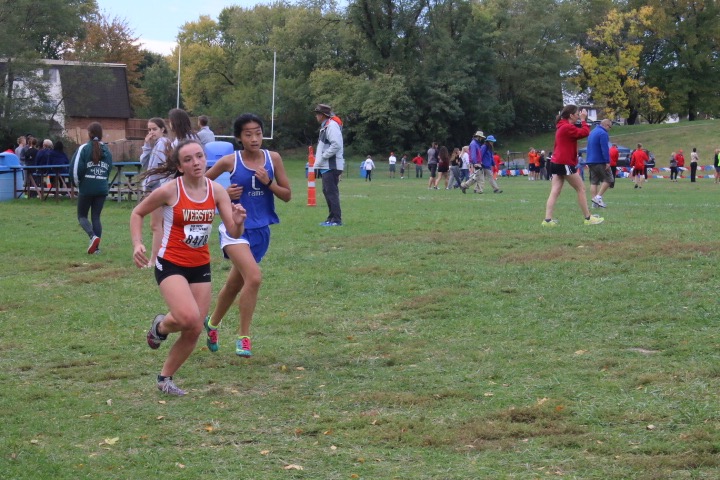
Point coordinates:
[(31, 153), (469, 166)]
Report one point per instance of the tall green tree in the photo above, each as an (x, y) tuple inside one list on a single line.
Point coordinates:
[(31, 30), (159, 84), (111, 40), (681, 54)]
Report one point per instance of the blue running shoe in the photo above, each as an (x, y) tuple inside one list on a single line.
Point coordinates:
[(243, 347), (212, 336)]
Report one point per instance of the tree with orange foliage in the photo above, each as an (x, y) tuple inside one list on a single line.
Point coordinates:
[(111, 40)]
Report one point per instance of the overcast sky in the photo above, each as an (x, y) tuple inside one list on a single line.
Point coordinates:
[(158, 23)]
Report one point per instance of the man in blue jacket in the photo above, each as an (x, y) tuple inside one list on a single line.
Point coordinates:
[(475, 162), (598, 161)]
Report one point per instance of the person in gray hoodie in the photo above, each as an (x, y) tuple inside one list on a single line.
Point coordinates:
[(329, 161)]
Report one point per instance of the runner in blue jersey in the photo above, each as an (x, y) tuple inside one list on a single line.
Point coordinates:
[(257, 176)]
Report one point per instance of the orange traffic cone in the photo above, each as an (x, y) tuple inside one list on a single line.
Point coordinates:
[(311, 177)]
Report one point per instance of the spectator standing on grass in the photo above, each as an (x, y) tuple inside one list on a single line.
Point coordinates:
[(464, 164), (43, 156), (547, 165), (455, 161), (369, 166), (58, 157), (329, 161), (673, 167), (189, 201), (30, 160), (638, 159), (392, 163), (204, 133), (403, 165), (680, 158), (257, 176), (418, 161), (716, 164), (155, 150), (91, 168), (563, 165), (20, 150), (614, 157), (484, 169), (542, 163), (180, 126), (443, 166), (475, 161), (532, 164), (693, 164), (598, 161), (432, 163)]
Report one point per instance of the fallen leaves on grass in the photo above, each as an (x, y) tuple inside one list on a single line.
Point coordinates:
[(110, 441), (292, 466)]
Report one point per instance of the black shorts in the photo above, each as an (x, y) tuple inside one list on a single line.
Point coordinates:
[(164, 269), (562, 170), (433, 169)]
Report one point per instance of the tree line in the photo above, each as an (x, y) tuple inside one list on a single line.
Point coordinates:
[(400, 73)]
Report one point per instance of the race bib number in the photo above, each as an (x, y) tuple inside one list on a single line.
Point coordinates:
[(197, 235)]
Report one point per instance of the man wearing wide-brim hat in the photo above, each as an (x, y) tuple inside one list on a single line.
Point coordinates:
[(329, 161), (475, 145)]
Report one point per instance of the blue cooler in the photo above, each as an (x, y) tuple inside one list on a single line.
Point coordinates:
[(214, 151), (10, 179)]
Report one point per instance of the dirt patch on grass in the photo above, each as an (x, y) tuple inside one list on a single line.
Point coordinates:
[(664, 466), (407, 399), (495, 431), (92, 276)]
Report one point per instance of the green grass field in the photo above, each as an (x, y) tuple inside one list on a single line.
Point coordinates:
[(435, 336)]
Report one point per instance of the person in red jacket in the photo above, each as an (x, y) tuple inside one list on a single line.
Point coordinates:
[(614, 157), (637, 162), (418, 161), (680, 158), (563, 165)]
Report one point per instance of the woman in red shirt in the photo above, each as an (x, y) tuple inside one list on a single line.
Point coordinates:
[(680, 158), (563, 165), (637, 162), (614, 157)]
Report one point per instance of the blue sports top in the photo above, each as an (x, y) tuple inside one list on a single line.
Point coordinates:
[(258, 200)]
